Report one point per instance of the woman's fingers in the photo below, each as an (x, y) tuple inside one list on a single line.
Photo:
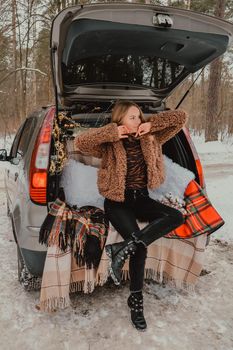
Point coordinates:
[(143, 129), (122, 131), (140, 131)]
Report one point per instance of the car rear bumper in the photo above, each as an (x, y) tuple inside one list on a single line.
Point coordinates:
[(30, 239), (34, 261)]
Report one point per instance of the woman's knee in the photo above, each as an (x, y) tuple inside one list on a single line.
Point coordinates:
[(178, 218)]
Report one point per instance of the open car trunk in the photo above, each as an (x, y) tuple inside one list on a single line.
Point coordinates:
[(104, 52), (130, 51)]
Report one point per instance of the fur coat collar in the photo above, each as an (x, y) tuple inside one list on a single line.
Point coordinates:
[(105, 143)]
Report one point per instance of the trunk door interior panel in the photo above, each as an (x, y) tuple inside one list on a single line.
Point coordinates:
[(143, 49)]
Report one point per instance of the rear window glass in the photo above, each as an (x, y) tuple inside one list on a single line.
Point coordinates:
[(146, 71), (25, 136)]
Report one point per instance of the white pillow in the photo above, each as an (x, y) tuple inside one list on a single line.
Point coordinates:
[(80, 183), (176, 180)]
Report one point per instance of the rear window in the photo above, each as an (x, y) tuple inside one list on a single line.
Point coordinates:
[(158, 73)]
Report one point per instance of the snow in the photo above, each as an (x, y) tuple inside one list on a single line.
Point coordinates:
[(6, 142), (214, 152), (176, 319), (217, 161)]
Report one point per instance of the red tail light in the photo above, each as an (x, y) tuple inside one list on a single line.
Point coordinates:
[(40, 161), (200, 172), (197, 159)]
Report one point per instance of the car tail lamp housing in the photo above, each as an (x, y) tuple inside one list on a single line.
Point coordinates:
[(40, 161), (196, 157), (200, 172)]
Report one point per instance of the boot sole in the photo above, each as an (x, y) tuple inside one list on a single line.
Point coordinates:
[(138, 329), (109, 254)]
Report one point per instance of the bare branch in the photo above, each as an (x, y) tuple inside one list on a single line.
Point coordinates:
[(20, 69)]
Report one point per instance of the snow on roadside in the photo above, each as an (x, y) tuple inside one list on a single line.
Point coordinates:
[(217, 161), (6, 142), (214, 152)]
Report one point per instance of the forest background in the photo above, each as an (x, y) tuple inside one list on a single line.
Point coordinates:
[(26, 82)]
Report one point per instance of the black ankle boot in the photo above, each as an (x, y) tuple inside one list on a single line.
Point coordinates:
[(118, 253), (135, 303)]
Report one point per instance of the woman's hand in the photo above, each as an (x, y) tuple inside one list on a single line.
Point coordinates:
[(143, 129), (123, 131)]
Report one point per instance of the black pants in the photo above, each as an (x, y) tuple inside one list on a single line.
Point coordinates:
[(123, 215)]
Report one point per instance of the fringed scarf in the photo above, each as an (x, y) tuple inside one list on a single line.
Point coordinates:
[(84, 230)]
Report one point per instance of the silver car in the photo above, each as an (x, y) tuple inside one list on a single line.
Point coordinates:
[(101, 53)]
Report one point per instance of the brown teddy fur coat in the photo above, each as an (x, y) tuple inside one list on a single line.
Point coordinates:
[(105, 143)]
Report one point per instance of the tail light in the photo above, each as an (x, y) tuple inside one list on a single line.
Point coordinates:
[(196, 157), (200, 172), (40, 160)]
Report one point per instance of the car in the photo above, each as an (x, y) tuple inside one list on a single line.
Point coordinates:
[(101, 53)]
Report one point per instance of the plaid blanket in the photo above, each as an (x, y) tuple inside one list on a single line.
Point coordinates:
[(176, 261), (61, 277), (68, 227), (201, 217)]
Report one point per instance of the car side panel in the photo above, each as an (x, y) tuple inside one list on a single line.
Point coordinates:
[(27, 217)]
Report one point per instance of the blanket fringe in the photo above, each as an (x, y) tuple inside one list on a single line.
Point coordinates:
[(101, 278), (82, 286), (161, 278), (89, 286), (125, 275), (165, 279), (76, 286), (52, 304)]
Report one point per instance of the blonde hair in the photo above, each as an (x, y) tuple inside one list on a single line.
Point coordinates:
[(121, 108)]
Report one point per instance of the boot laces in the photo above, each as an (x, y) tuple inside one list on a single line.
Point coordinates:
[(125, 253), (136, 304)]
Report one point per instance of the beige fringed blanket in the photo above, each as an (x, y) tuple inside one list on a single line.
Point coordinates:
[(178, 261)]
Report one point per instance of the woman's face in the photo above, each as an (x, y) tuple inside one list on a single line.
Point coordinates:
[(132, 119)]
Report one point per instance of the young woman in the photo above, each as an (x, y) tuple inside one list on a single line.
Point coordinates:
[(132, 162)]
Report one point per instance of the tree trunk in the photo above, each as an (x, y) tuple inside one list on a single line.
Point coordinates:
[(22, 95), (58, 6), (14, 49), (34, 76), (212, 111), (188, 4), (203, 101)]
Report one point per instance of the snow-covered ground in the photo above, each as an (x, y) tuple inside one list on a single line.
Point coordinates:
[(217, 162), (177, 320)]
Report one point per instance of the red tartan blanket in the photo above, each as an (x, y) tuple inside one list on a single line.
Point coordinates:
[(201, 216)]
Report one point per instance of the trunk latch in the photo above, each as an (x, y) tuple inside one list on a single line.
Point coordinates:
[(162, 20)]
